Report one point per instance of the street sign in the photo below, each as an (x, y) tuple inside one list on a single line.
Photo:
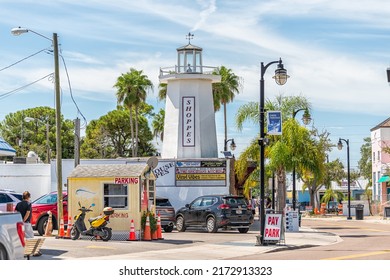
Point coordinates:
[(273, 227)]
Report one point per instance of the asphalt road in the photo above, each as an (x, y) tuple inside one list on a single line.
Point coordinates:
[(318, 239), (360, 240)]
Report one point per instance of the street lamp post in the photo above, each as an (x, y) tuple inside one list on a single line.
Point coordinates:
[(306, 118), (18, 31), (232, 145), (29, 119), (340, 147), (280, 78)]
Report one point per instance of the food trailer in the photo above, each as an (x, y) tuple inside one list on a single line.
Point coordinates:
[(128, 188)]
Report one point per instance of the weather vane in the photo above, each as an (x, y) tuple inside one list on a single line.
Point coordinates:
[(189, 36)]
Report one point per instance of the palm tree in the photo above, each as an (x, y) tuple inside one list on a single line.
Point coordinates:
[(294, 147), (162, 91), (158, 124), (224, 91), (132, 90)]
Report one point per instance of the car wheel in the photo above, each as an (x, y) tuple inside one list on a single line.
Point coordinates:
[(211, 225), (180, 224), (168, 228), (3, 253), (243, 230), (41, 227)]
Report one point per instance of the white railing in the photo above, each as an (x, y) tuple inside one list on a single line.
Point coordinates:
[(208, 70)]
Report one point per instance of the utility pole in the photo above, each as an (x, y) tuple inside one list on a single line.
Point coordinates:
[(76, 142)]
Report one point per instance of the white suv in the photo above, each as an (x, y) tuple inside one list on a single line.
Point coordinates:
[(8, 200)]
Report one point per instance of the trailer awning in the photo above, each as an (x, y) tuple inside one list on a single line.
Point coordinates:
[(6, 149), (384, 178)]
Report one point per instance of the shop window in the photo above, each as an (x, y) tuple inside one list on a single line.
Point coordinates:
[(116, 196)]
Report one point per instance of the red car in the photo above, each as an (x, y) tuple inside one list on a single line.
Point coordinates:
[(42, 205)]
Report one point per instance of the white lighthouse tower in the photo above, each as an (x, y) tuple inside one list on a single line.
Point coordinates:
[(189, 128)]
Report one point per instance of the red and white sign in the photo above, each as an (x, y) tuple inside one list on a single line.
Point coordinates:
[(273, 227), (126, 180)]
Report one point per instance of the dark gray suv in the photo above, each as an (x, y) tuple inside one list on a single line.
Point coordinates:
[(167, 213), (214, 212)]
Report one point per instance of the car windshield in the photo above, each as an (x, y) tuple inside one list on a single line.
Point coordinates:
[(234, 200), (18, 196), (47, 199), (163, 202)]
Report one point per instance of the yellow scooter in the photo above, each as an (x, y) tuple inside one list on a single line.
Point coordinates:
[(98, 224)]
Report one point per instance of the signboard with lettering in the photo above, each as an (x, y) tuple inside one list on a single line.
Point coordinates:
[(205, 173), (273, 227), (292, 220), (126, 180), (188, 121)]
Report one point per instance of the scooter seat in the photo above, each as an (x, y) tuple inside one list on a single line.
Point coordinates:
[(94, 219)]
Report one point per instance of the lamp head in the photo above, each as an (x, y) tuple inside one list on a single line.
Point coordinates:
[(18, 30), (388, 75), (340, 144), (28, 119), (233, 145), (281, 74), (306, 118)]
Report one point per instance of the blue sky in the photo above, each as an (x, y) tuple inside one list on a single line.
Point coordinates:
[(336, 53)]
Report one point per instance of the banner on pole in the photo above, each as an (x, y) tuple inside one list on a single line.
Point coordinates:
[(274, 121)]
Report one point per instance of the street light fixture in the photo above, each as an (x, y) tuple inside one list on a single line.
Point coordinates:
[(306, 118), (280, 78), (18, 31), (232, 145), (340, 147), (29, 119)]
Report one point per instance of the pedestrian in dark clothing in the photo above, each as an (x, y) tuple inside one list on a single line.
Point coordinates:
[(24, 208)]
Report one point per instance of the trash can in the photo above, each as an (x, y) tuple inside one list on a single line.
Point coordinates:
[(359, 211)]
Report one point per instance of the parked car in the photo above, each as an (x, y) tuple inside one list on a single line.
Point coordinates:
[(214, 212), (12, 239), (40, 208), (8, 200), (167, 213)]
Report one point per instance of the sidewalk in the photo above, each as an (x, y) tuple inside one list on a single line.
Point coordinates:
[(306, 237), (246, 246)]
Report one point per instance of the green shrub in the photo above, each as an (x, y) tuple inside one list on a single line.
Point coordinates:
[(152, 221)]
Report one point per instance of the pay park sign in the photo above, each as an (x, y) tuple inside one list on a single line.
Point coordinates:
[(273, 228)]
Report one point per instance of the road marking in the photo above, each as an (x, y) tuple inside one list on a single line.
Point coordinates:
[(373, 229), (359, 255), (100, 247)]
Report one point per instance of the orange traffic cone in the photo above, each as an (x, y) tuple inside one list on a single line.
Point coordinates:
[(159, 231), (61, 231), (49, 226), (132, 232), (68, 230), (147, 233)]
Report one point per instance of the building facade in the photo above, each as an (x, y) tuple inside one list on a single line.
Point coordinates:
[(380, 139)]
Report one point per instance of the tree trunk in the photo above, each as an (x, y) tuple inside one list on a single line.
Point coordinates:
[(225, 124), (281, 191), (131, 131), (136, 130)]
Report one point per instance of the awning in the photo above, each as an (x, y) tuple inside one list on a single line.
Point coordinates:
[(6, 149), (384, 178)]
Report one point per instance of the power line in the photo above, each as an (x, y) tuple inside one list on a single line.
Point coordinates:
[(71, 94), (17, 62), (7, 94)]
